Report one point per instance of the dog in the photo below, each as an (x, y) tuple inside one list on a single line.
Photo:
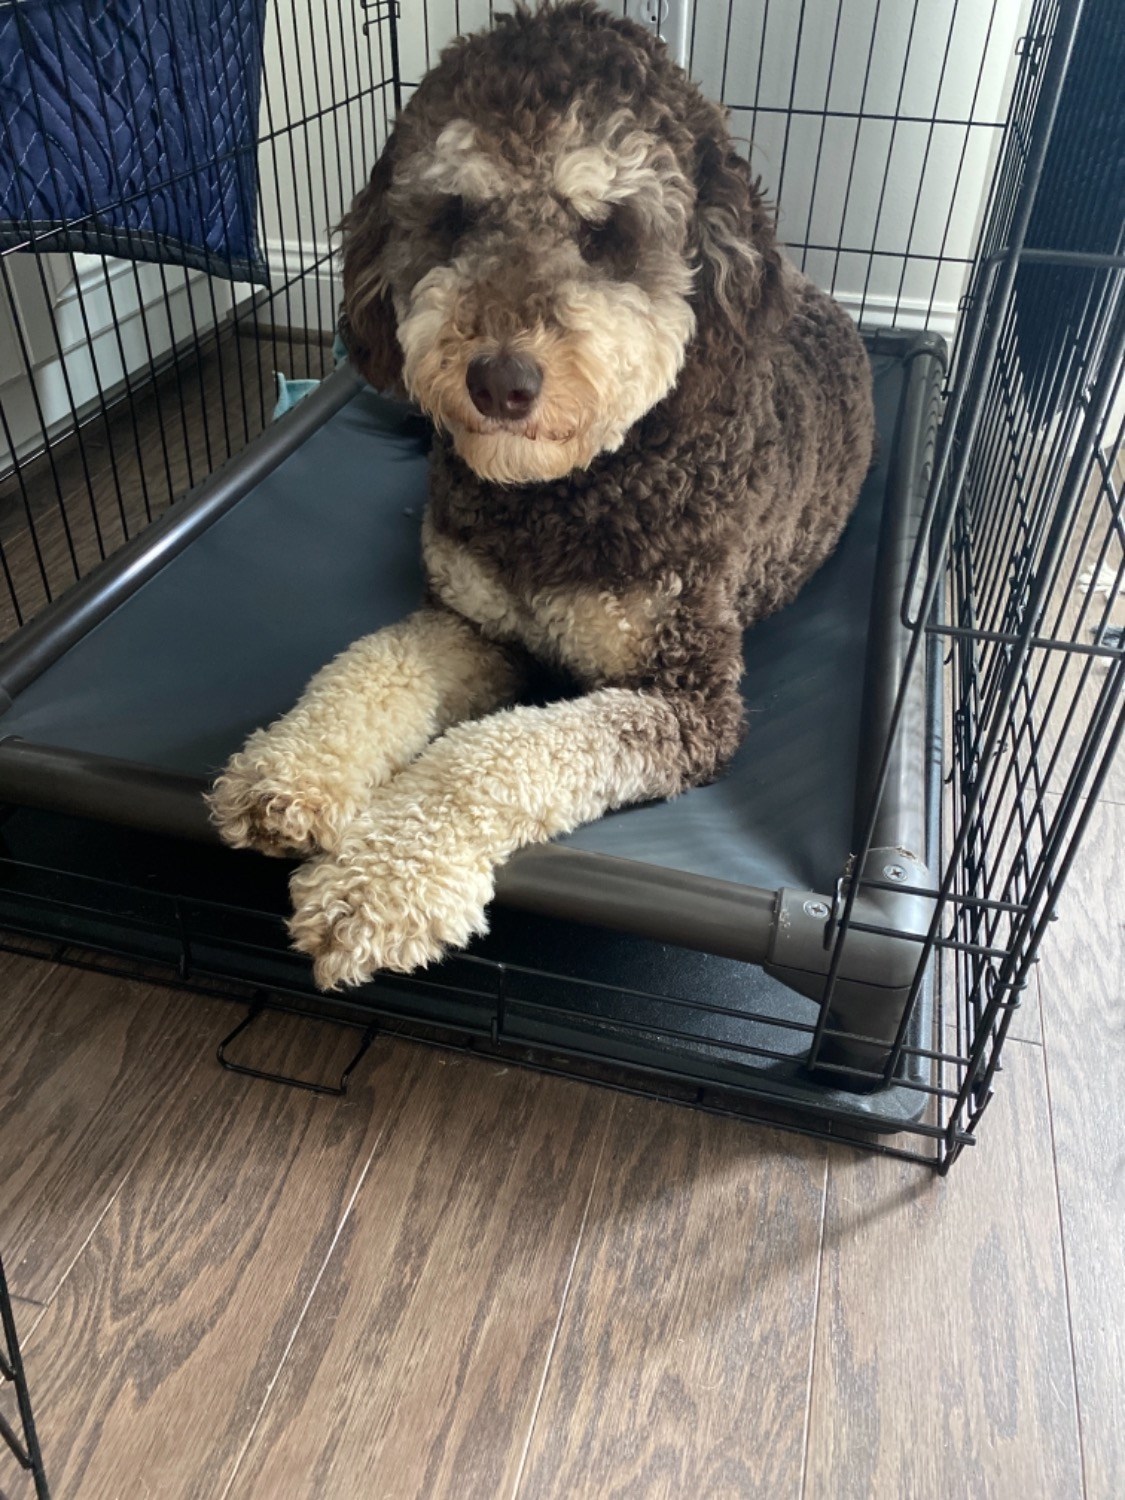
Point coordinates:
[(650, 430)]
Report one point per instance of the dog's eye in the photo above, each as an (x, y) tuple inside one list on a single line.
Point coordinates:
[(595, 241), (610, 242), (451, 218)]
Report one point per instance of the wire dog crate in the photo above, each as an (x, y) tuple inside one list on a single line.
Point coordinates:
[(938, 166)]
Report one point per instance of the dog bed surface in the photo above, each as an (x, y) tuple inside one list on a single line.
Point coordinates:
[(326, 548)]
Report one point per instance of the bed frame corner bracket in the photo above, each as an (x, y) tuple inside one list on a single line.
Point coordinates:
[(869, 988)]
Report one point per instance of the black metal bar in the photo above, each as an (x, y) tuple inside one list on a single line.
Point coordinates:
[(396, 68), (108, 281), (201, 171), (263, 1005), (183, 236), (888, 118), (298, 53), (276, 134), (920, 190), (981, 340), (726, 49), (980, 1073), (855, 139), (962, 154), (780, 188), (29, 366), (26, 1451), (1035, 642), (25, 498), (824, 117), (283, 53), (887, 163)]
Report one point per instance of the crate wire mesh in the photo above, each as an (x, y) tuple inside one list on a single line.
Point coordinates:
[(123, 383), (906, 145), (1025, 541)]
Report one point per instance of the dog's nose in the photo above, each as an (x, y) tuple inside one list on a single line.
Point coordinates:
[(504, 385)]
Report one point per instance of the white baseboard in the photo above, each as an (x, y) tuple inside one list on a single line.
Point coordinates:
[(901, 312), (313, 301)]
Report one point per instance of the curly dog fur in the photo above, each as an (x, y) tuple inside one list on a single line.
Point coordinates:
[(692, 437)]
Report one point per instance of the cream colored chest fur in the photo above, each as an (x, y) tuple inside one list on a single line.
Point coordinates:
[(598, 635)]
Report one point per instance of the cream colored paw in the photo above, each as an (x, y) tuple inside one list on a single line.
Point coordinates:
[(395, 895), (266, 799)]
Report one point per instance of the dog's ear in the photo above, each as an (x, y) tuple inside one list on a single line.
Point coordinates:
[(367, 323), (741, 270)]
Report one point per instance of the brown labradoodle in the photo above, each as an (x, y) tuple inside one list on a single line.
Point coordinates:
[(651, 429)]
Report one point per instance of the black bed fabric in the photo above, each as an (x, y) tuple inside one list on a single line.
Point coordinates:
[(326, 549)]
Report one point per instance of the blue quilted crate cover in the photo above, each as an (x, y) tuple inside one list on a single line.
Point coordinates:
[(129, 128)]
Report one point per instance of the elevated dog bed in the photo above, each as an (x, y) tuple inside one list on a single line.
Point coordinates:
[(129, 693)]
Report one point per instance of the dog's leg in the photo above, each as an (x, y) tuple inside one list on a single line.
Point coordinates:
[(414, 873), (296, 785)]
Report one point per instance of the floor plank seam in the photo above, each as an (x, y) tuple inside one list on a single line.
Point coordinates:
[(27, 1335), (1109, 799), (1035, 977), (563, 1300), (815, 1325), (328, 1254), (1065, 1264), (110, 1201), (80, 1252)]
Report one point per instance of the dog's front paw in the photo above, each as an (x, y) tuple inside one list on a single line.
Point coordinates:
[(395, 894), (271, 798)]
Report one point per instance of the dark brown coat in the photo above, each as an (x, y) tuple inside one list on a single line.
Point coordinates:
[(733, 488)]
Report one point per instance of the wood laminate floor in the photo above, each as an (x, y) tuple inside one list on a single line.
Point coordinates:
[(468, 1280)]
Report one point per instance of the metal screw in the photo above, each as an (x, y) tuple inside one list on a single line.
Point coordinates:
[(816, 909), (894, 872)]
